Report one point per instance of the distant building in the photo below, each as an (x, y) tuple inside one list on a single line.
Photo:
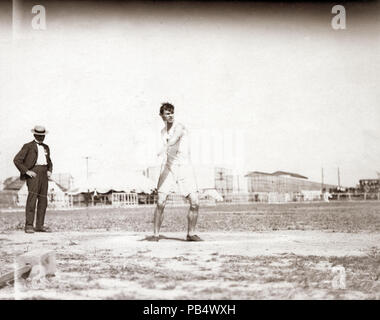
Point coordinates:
[(288, 174), (227, 182), (223, 180), (282, 182), (13, 183), (369, 185), (17, 189), (65, 180), (8, 194)]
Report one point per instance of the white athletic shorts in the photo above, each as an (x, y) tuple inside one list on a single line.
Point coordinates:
[(178, 178)]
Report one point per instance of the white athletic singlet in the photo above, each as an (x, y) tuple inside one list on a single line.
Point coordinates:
[(179, 153), (177, 174)]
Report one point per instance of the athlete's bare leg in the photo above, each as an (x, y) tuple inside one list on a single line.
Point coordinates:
[(159, 213), (192, 216)]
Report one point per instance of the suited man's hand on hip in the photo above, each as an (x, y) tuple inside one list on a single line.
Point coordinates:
[(31, 174)]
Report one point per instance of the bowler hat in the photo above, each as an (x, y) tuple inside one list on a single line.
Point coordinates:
[(39, 130)]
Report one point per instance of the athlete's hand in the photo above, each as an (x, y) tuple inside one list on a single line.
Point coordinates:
[(49, 174), (31, 174), (162, 151)]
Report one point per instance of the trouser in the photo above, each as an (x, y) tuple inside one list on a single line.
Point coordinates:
[(37, 191)]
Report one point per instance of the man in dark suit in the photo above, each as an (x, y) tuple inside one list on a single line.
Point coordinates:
[(35, 166)]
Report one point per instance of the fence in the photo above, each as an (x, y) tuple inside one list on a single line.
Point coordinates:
[(177, 200), (305, 196), (124, 199), (61, 201), (265, 197), (355, 196), (132, 199), (54, 200)]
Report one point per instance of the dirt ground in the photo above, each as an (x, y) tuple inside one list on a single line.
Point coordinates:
[(233, 265), (295, 251)]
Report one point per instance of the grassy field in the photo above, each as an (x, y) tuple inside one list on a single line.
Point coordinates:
[(338, 217), (256, 251)]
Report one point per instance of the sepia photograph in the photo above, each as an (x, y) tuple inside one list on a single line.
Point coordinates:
[(189, 151)]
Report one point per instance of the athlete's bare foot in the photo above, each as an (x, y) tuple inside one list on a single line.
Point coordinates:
[(194, 237), (153, 238)]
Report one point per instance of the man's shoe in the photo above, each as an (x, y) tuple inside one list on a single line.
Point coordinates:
[(29, 230), (193, 238), (42, 229)]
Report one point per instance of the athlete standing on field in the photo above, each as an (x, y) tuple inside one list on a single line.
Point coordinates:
[(176, 168)]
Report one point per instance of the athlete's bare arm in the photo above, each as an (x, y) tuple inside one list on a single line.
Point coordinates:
[(163, 148), (177, 134)]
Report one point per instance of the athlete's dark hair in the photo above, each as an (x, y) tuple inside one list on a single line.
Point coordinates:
[(166, 106)]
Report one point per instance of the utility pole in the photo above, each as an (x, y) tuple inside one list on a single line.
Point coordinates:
[(87, 166), (88, 187), (322, 186), (87, 169), (338, 179)]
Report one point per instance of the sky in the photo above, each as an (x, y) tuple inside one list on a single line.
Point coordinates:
[(261, 87)]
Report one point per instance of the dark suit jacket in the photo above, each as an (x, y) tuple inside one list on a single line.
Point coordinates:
[(26, 158)]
